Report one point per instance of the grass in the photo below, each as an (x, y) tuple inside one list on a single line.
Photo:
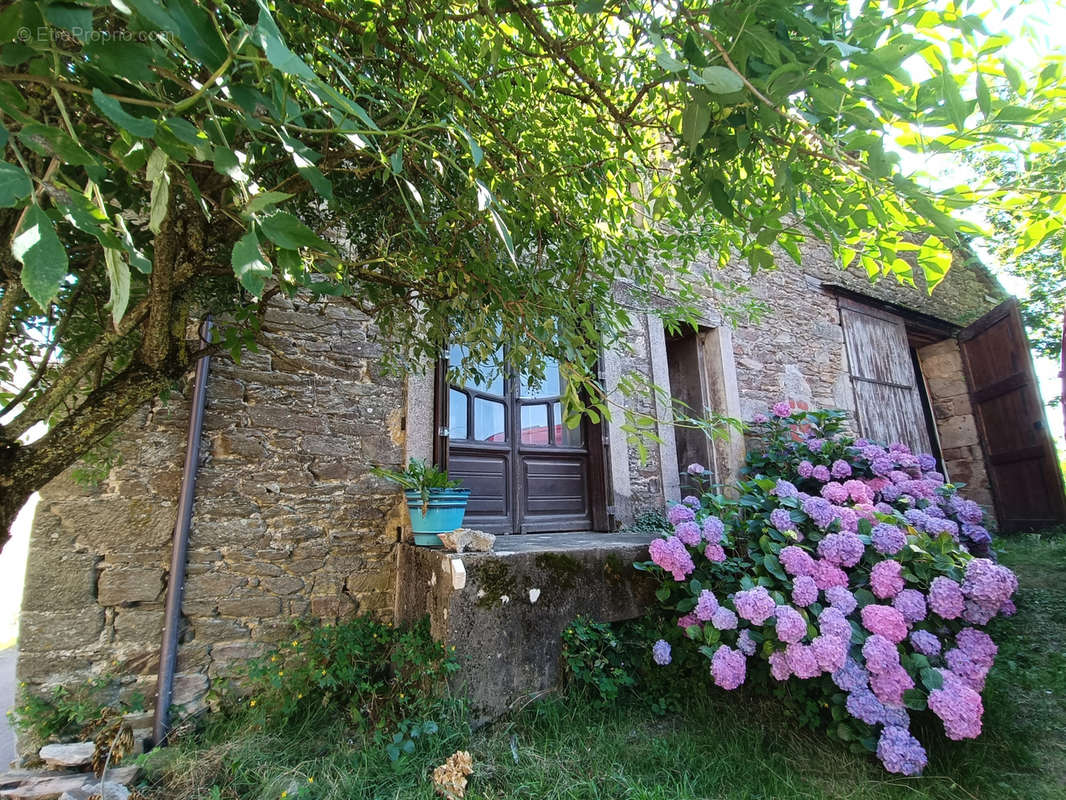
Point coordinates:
[(721, 747)]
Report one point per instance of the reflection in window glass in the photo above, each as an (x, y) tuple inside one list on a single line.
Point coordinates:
[(548, 388), (492, 380), (490, 421), (564, 436), (535, 425), (456, 414)]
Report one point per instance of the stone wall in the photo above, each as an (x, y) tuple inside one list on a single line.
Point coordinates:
[(288, 521)]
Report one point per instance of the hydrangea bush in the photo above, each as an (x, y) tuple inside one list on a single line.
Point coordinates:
[(848, 576)]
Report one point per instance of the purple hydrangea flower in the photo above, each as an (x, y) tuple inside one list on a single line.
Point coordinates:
[(840, 598), (805, 469), (880, 654), (887, 539), (660, 652), (724, 619), (745, 643), (754, 605), (782, 409), (802, 662), (790, 625), (840, 469), (759, 418), (713, 530), (820, 511), (671, 555), (911, 604), (898, 716), (779, 665), (830, 652), (784, 489), (688, 532), (925, 643), (852, 676), (958, 706), (781, 520), (864, 706), (679, 513), (926, 462), (841, 549), (886, 579), (691, 501), (729, 667), (706, 605), (987, 586), (890, 685), (945, 598), (815, 446), (821, 473), (827, 575), (804, 590), (900, 752), (831, 622), (714, 552), (881, 465), (796, 560), (696, 469), (834, 492)]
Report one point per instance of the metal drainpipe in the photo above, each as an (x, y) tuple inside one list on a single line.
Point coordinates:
[(168, 649)]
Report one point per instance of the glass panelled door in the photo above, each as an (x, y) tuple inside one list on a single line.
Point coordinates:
[(527, 471)]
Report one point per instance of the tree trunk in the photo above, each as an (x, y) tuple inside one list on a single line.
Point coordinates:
[(24, 469)]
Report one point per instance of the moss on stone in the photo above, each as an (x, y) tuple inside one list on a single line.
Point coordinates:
[(494, 582), (614, 568), (561, 567)]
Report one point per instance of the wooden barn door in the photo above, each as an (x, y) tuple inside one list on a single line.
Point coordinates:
[(887, 397), (1022, 464)]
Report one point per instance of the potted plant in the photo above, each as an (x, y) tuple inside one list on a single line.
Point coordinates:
[(437, 505)]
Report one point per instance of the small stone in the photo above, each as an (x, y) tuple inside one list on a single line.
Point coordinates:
[(109, 790), (534, 595), (462, 539), (67, 755)]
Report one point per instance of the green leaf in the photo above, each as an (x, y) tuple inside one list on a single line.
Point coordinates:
[(957, 107), (504, 234), (118, 275), (269, 38), (721, 80), (14, 185), (914, 699), (984, 97), (42, 255), (287, 232), (113, 110), (160, 196), (125, 60), (721, 199), (265, 200), (476, 152), (248, 264), (76, 19), (694, 122), (48, 141), (932, 679)]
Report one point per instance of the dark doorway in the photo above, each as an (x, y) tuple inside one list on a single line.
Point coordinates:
[(688, 387), (508, 443)]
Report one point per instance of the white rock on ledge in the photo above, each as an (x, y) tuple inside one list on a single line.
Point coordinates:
[(462, 539), (76, 754)]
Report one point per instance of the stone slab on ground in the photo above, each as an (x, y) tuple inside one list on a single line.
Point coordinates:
[(73, 754), (53, 786), (505, 611)]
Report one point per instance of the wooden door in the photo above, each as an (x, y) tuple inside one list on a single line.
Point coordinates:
[(1022, 464), (883, 377), (526, 470)]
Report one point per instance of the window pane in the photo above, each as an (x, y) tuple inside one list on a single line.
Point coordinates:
[(535, 424), (490, 421), (456, 414), (564, 436), (548, 388), (492, 378)]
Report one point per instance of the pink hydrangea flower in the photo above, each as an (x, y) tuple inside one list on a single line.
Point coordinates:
[(830, 652), (782, 409), (886, 621), (911, 604), (802, 662), (688, 532), (804, 590), (714, 552), (789, 625), (827, 575), (880, 654), (675, 515), (890, 685), (671, 555), (796, 560), (958, 706), (729, 667), (886, 579), (841, 549), (779, 666), (706, 605), (754, 605), (945, 598)]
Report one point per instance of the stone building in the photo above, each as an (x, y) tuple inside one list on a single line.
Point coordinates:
[(289, 522)]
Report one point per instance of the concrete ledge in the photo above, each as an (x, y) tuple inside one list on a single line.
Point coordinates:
[(505, 611)]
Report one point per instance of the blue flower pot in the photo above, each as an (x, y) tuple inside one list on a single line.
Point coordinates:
[(444, 514)]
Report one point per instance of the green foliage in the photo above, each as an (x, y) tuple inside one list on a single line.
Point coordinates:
[(66, 713), (419, 476), (370, 674), (596, 661), (650, 520)]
